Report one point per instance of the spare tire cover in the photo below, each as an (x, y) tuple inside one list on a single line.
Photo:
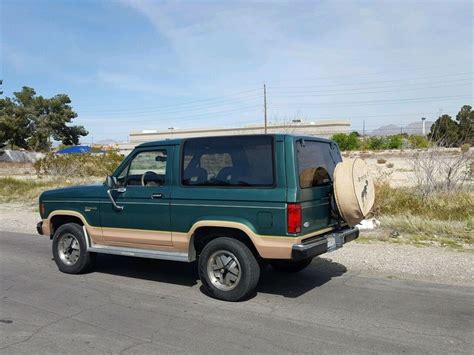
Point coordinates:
[(353, 190)]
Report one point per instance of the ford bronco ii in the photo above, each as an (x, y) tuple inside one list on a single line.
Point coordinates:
[(232, 203)]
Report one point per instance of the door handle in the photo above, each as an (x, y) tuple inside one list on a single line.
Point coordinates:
[(157, 195)]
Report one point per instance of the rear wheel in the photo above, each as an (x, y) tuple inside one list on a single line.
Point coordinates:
[(290, 265), (70, 249), (228, 269)]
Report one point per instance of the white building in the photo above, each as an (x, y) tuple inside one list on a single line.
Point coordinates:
[(321, 128)]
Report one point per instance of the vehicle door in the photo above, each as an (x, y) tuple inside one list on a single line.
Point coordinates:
[(143, 200)]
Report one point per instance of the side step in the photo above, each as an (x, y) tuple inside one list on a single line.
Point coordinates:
[(139, 253)]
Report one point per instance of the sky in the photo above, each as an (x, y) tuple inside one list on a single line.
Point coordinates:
[(132, 65)]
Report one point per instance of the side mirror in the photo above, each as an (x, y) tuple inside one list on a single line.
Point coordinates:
[(111, 182)]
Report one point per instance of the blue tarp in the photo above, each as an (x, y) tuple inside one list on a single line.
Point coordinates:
[(78, 149)]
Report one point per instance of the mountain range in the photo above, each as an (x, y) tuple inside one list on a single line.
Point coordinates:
[(410, 128)]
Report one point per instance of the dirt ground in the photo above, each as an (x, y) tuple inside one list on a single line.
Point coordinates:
[(397, 166)]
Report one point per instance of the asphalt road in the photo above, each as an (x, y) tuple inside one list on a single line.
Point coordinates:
[(147, 306)]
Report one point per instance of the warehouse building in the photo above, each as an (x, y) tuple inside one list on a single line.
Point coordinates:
[(321, 128)]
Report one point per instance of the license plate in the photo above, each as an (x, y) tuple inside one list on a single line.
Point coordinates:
[(331, 243)]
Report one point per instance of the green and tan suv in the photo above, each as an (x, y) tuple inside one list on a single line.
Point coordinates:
[(232, 203)]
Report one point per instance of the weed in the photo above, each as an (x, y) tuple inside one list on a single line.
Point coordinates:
[(454, 206), (28, 190), (78, 165)]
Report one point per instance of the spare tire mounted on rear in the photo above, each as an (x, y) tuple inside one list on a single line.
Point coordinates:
[(353, 190)]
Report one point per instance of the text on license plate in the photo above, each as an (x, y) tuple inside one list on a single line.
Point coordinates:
[(331, 242)]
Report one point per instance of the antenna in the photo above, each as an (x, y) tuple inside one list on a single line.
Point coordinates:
[(265, 106)]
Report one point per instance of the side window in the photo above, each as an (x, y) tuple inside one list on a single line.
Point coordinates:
[(214, 163), (228, 161), (146, 169)]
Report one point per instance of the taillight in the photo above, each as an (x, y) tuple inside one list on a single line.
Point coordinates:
[(42, 209), (294, 218)]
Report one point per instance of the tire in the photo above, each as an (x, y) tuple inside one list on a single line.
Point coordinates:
[(291, 266), (69, 249), (354, 190), (228, 269)]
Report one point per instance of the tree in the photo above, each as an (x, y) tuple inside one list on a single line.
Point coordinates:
[(30, 121), (445, 132), (465, 121), (14, 125)]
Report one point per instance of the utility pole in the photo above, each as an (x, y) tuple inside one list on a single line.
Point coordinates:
[(265, 105), (363, 129)]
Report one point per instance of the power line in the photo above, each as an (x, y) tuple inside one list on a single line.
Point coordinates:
[(368, 82), (188, 107), (197, 101), (369, 102), (345, 76), (195, 117), (352, 92)]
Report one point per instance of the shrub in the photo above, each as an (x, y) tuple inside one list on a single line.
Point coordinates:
[(376, 143), (437, 172), (418, 142), (347, 141), (381, 161), (389, 165), (78, 165), (394, 142), (465, 148)]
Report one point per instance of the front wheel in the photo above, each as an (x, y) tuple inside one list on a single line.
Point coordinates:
[(70, 250), (290, 265), (228, 269)]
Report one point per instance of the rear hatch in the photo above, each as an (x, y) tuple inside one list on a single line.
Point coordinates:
[(316, 160)]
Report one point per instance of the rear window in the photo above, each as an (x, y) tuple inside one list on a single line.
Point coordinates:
[(228, 161), (315, 163)]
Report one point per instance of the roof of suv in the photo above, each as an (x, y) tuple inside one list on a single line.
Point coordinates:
[(177, 141)]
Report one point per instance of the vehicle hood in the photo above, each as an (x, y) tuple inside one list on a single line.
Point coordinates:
[(74, 192)]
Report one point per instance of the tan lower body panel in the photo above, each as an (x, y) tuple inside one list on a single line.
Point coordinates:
[(268, 247), (136, 236)]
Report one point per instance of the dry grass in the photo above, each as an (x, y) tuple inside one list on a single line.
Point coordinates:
[(28, 190), (421, 231), (455, 206), (443, 219)]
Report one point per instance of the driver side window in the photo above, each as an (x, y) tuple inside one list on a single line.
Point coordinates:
[(146, 169)]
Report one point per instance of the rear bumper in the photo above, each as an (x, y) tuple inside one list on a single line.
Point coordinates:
[(312, 247), (39, 228)]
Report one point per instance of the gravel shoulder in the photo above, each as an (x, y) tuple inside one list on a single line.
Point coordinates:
[(405, 262), (432, 264), (21, 218)]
